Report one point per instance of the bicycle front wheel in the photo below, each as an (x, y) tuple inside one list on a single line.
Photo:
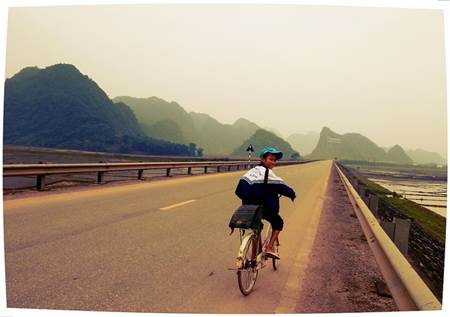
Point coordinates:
[(248, 273)]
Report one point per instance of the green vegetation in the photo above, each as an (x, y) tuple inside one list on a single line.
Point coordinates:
[(429, 220), (375, 188), (59, 107), (165, 130)]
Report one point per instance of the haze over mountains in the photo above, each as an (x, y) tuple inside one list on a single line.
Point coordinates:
[(155, 114), (60, 107), (420, 156), (261, 138), (304, 143)]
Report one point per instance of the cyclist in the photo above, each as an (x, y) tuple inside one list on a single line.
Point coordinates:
[(252, 190)]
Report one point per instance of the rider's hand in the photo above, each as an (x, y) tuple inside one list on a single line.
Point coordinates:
[(293, 198)]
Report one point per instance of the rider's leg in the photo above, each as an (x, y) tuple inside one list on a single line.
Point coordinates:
[(277, 225), (273, 237)]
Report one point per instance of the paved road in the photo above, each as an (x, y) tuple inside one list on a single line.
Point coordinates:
[(154, 247)]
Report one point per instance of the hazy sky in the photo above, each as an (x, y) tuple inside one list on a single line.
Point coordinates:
[(296, 68)]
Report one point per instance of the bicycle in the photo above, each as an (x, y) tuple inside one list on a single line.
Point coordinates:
[(247, 268)]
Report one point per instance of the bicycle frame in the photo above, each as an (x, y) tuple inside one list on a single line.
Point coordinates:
[(254, 234)]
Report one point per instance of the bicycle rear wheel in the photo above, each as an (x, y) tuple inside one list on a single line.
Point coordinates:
[(248, 274)]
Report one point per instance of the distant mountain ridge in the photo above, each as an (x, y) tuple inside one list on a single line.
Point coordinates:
[(200, 128), (426, 157), (262, 138), (397, 154), (59, 107), (304, 143), (354, 146)]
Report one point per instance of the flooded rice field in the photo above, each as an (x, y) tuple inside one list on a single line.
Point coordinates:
[(430, 195), (426, 187)]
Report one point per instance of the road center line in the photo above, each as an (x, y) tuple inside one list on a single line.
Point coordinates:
[(177, 205)]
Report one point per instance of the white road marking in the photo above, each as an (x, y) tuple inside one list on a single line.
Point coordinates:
[(177, 205)]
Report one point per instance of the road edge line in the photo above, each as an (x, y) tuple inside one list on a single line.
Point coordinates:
[(288, 300)]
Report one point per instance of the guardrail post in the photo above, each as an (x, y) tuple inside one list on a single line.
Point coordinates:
[(229, 168), (140, 174), (398, 232), (218, 169), (168, 172), (389, 228), (100, 177), (373, 204), (40, 184), (401, 235), (361, 190), (355, 182), (206, 169), (237, 167), (189, 170)]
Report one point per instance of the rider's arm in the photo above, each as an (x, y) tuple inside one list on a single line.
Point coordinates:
[(285, 190), (243, 189)]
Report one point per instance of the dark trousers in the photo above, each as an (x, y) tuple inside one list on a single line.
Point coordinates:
[(275, 220)]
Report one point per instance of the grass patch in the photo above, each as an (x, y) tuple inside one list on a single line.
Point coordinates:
[(429, 220), (376, 189)]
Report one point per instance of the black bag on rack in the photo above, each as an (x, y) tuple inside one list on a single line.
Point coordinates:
[(248, 216)]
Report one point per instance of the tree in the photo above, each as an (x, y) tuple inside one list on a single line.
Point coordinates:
[(192, 149)]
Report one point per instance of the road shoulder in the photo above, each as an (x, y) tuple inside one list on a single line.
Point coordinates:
[(342, 273)]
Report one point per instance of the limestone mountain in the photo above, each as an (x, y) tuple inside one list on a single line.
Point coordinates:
[(354, 146), (60, 107), (420, 156), (304, 143), (397, 154), (245, 127), (218, 138), (165, 130), (154, 114), (262, 138), (214, 137)]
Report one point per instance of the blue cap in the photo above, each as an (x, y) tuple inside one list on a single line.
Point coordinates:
[(272, 150)]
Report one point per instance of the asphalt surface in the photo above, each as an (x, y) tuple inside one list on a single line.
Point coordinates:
[(155, 247)]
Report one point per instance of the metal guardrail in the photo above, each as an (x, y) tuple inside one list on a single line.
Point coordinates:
[(41, 170), (407, 288)]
